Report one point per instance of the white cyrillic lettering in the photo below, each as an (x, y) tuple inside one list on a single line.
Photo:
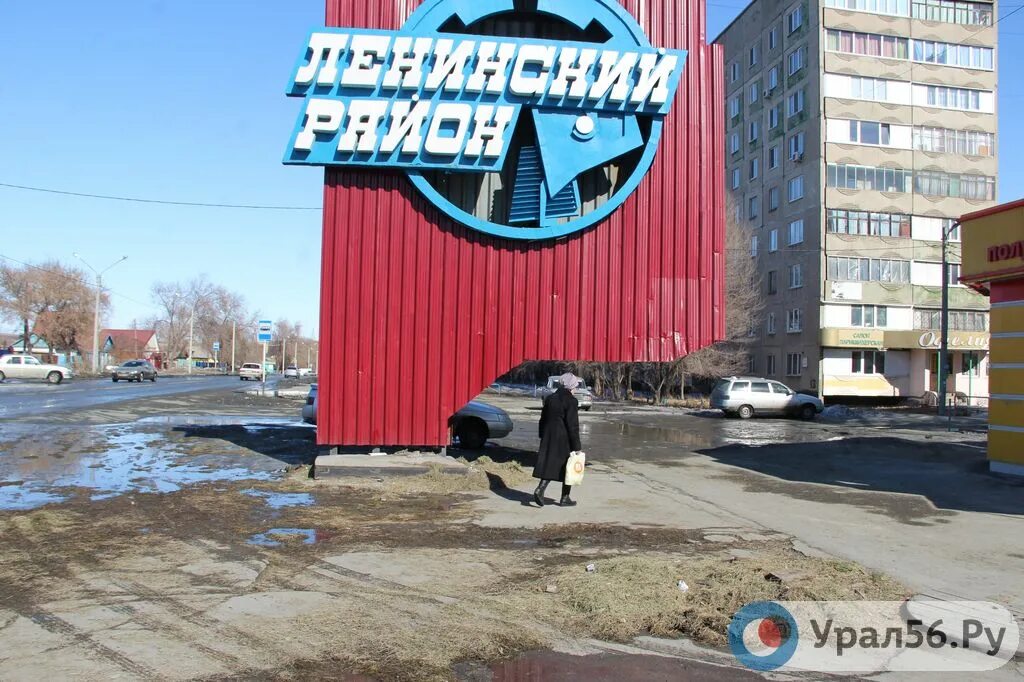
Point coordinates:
[(491, 69), (449, 66), (489, 137), (323, 116), (325, 49), (615, 78), (368, 52), (529, 85), (406, 70), (571, 70), (448, 112), (654, 77), (406, 124), (364, 117)]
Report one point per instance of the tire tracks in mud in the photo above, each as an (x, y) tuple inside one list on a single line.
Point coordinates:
[(58, 626)]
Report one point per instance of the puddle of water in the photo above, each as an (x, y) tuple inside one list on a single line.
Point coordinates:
[(250, 422), (308, 536), (279, 500), (130, 461)]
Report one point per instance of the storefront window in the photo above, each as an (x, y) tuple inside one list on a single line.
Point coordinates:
[(869, 362)]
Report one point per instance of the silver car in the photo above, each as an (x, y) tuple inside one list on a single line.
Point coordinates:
[(584, 396), (747, 396), (21, 366), (472, 425)]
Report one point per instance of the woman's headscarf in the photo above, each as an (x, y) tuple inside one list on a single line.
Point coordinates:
[(569, 380)]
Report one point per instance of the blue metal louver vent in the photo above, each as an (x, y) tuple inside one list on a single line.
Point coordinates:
[(530, 202)]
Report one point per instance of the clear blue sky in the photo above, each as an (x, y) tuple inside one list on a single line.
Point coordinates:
[(184, 100)]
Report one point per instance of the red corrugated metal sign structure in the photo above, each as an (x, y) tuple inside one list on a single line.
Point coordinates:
[(420, 313)]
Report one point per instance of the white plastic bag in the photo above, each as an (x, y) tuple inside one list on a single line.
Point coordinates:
[(574, 468)]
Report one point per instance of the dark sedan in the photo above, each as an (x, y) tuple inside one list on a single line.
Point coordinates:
[(134, 370)]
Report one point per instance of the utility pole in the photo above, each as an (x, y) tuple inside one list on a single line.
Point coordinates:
[(96, 312), (191, 329), (944, 341), (232, 346)]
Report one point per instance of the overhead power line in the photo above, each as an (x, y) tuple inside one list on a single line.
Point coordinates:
[(90, 284), (165, 202)]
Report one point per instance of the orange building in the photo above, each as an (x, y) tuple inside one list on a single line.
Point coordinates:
[(993, 263)]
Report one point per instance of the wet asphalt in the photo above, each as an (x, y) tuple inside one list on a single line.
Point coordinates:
[(35, 399)]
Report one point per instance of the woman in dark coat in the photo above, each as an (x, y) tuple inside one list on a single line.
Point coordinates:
[(559, 436)]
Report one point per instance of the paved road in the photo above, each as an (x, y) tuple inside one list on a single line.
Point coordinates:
[(35, 399)]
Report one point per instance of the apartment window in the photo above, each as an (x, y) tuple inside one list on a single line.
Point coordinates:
[(734, 72), (796, 232), (773, 157), (796, 146), (849, 269), (953, 98), (868, 362), (739, 211), (773, 38), (795, 103), (773, 199), (870, 132), (960, 320), (796, 60), (752, 92), (794, 364), (794, 323), (773, 117), (753, 210), (950, 54), (753, 55), (734, 143), (796, 276), (952, 12), (773, 287), (773, 77), (874, 89), (755, 168), (770, 324), (873, 224), (846, 176), (899, 8), (869, 316), (736, 178), (769, 365), (947, 141), (753, 246), (953, 271), (753, 131), (795, 189), (795, 19), (773, 241), (868, 44), (734, 106), (939, 184)]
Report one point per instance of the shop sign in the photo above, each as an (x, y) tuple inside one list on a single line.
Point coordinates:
[(862, 338), (956, 340), (1003, 252), (420, 99)]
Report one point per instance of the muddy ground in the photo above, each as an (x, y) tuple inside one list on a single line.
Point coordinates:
[(193, 544)]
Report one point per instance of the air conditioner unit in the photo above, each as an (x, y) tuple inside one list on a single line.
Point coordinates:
[(767, 92), (797, 156)]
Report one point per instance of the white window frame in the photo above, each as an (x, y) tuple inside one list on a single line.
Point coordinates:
[(753, 131), (795, 103), (734, 106), (796, 276), (794, 19), (773, 38), (796, 145), (793, 186), (773, 157), (754, 207), (773, 77), (734, 72), (734, 142), (769, 365), (773, 199), (798, 364), (754, 55), (753, 246), (793, 66), (755, 168), (737, 175), (796, 228), (752, 92), (770, 324), (794, 321), (773, 241)]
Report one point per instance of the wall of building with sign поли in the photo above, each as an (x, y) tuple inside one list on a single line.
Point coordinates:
[(993, 262), (432, 282)]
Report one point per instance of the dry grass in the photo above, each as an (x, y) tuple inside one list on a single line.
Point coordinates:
[(631, 595), (481, 474)]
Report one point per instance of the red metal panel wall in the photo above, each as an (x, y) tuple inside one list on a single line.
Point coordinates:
[(420, 314)]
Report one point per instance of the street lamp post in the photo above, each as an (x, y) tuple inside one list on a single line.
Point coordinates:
[(944, 341), (96, 309)]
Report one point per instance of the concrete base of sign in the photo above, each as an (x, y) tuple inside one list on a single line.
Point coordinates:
[(383, 462)]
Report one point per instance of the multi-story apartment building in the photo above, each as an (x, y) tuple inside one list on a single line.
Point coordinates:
[(857, 132)]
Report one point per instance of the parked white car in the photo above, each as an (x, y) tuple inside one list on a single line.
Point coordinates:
[(584, 396), (28, 367), (749, 396), (291, 372)]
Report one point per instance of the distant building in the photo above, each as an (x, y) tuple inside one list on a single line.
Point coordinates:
[(119, 345), (858, 131)]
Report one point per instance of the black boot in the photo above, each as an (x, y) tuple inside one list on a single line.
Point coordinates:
[(538, 494), (566, 502)]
